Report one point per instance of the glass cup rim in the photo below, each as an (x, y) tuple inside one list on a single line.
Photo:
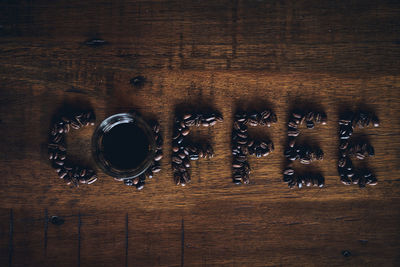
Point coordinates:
[(106, 125)]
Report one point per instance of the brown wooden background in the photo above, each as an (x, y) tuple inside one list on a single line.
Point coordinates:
[(332, 54)]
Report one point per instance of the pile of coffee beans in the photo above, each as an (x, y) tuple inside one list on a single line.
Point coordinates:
[(242, 145), (155, 167), (73, 175), (184, 151), (305, 154), (348, 122)]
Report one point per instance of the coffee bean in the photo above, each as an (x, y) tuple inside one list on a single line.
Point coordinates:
[(375, 121), (292, 132), (185, 131), (128, 182), (62, 174), (156, 168), (158, 156), (297, 114), (288, 171), (140, 185), (324, 118), (293, 124), (309, 116)]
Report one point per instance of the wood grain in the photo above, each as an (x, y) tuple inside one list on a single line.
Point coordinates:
[(223, 54)]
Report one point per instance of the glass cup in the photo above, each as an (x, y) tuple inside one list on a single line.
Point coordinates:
[(98, 150)]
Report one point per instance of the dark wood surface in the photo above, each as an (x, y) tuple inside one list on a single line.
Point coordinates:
[(277, 54)]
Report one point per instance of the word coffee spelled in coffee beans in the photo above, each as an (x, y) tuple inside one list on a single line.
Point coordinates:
[(73, 175), (304, 153), (184, 151), (348, 122), (242, 145)]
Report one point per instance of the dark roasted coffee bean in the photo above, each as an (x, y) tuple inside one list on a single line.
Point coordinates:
[(321, 181), (205, 124), (375, 121), (324, 118), (362, 182), (308, 181), (140, 185), (212, 123), (58, 138), (265, 114), (177, 178), (185, 131), (297, 114), (156, 168), (265, 152), (288, 171), (292, 142), (242, 141), (309, 116), (219, 118), (149, 173), (91, 179), (158, 156), (182, 181), (187, 116), (237, 164), (186, 177), (52, 155), (293, 124), (360, 156), (237, 179), (194, 157), (293, 132), (271, 146), (305, 161), (242, 135), (75, 125), (62, 174), (66, 128), (370, 150), (190, 122), (179, 140), (209, 117), (371, 179), (292, 184), (186, 163), (252, 122), (59, 162), (344, 144), (345, 180), (182, 155), (317, 117), (354, 179), (128, 182), (287, 178)]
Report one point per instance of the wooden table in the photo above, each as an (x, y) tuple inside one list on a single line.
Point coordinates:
[(225, 54)]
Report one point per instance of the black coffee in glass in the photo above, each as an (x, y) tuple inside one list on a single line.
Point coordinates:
[(125, 146)]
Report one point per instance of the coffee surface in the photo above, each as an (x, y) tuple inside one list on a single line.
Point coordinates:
[(125, 146)]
